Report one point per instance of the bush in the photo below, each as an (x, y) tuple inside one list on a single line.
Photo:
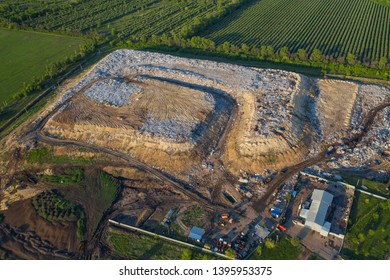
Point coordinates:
[(230, 253), (186, 255), (269, 244)]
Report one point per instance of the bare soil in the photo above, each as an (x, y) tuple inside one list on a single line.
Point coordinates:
[(335, 104), (22, 215)]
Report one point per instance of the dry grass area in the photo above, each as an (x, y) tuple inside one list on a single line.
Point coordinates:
[(335, 105), (14, 194)]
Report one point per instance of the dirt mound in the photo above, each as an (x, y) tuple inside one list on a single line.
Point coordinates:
[(159, 112)]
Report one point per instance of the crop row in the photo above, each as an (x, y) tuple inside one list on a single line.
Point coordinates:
[(336, 27), (166, 19)]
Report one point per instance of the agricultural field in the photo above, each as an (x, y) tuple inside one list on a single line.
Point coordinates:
[(369, 229), (25, 55), (139, 246), (336, 27), (115, 17)]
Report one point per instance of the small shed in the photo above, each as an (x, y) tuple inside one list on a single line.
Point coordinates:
[(196, 233), (261, 232)]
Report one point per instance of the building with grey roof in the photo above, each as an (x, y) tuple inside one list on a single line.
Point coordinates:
[(316, 214)]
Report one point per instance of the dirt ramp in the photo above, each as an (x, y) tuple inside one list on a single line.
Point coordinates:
[(334, 105)]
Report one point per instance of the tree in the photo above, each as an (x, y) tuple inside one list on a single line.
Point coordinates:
[(186, 255), (263, 51), (230, 253), (270, 52), (269, 244), (284, 53), (244, 49), (302, 55), (259, 250), (361, 237), (294, 241), (382, 62), (351, 59), (341, 59), (316, 55), (226, 47)]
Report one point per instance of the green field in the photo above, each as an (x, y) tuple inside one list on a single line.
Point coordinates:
[(112, 17), (282, 250), (336, 27), (139, 246), (67, 177), (43, 155), (368, 233), (372, 186), (194, 216), (25, 55)]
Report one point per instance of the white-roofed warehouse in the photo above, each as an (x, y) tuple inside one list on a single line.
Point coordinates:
[(315, 217)]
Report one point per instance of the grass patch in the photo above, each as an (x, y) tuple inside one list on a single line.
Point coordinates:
[(70, 176), (282, 250), (373, 186), (368, 233), (140, 246), (25, 55), (173, 231), (107, 189), (45, 155), (194, 216)]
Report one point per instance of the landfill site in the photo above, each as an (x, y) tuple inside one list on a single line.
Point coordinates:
[(216, 155)]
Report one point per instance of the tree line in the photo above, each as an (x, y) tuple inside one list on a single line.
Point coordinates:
[(349, 65)]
